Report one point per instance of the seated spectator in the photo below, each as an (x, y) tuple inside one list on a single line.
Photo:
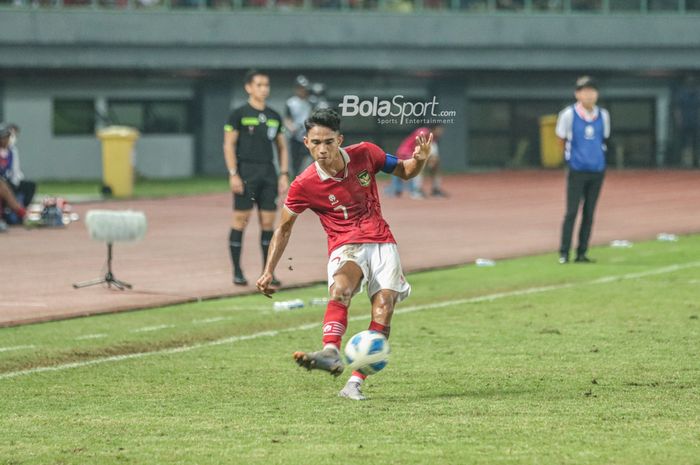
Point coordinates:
[(405, 152), (15, 192), (8, 203)]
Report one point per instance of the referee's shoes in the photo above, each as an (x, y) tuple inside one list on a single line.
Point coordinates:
[(239, 279)]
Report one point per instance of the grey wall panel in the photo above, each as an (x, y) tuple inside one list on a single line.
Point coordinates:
[(166, 156)]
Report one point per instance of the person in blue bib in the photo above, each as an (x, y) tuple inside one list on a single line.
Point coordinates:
[(583, 129)]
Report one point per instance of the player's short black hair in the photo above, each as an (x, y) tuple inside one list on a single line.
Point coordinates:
[(250, 75), (325, 117)]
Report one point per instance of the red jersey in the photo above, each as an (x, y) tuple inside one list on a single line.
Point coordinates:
[(347, 205)]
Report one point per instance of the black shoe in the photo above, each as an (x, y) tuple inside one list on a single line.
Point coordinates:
[(583, 259), (275, 282), (239, 279), (563, 259), (438, 193)]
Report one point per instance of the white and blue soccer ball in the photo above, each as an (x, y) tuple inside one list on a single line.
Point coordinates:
[(367, 352)]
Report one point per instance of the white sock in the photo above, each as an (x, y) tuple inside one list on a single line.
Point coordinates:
[(355, 379), (331, 346)]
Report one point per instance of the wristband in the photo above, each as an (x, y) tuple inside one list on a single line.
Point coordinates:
[(232, 172)]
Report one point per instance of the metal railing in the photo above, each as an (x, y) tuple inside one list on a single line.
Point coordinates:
[(396, 6)]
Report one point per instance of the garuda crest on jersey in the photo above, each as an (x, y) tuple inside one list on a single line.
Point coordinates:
[(364, 178)]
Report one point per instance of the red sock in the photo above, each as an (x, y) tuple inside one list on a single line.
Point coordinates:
[(385, 330), (334, 323), (374, 326), (21, 212)]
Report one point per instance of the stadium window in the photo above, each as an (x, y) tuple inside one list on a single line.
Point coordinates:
[(126, 114), (625, 5), (73, 117), (489, 127), (586, 5), (474, 5), (511, 5), (76, 3), (633, 123), (185, 3), (112, 3), (506, 133), (152, 116), (662, 5)]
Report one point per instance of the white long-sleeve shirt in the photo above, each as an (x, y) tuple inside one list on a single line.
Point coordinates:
[(15, 174)]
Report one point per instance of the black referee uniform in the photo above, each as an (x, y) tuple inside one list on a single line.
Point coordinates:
[(257, 131)]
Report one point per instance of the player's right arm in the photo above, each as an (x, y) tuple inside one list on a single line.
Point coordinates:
[(563, 128), (279, 242), (230, 140)]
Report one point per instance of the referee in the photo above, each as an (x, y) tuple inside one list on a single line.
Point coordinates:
[(249, 134), (583, 129)]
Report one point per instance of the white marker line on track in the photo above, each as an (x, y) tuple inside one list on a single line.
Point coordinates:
[(8, 349), (415, 308)]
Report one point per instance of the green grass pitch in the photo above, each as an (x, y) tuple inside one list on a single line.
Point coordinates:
[(527, 362)]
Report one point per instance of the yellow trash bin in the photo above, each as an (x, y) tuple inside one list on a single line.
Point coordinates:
[(550, 150), (118, 159)]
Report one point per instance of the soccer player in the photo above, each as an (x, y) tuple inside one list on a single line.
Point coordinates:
[(249, 135), (341, 189)]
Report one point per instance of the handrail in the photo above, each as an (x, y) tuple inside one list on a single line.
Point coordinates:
[(514, 7)]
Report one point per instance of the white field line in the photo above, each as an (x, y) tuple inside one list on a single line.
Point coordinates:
[(8, 349), (91, 336), (416, 308), (147, 329), (212, 320)]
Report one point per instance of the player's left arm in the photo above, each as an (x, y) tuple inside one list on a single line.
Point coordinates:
[(608, 145), (283, 182), (407, 169)]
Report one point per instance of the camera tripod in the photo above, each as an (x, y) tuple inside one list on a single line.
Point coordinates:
[(109, 278)]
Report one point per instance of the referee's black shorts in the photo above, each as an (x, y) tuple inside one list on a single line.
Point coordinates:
[(260, 187)]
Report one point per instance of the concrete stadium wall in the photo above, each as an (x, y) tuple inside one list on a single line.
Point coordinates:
[(334, 40)]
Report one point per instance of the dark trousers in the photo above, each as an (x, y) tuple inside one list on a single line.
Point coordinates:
[(24, 192), (580, 186)]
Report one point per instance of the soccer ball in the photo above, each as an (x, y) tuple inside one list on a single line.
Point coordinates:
[(367, 352)]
